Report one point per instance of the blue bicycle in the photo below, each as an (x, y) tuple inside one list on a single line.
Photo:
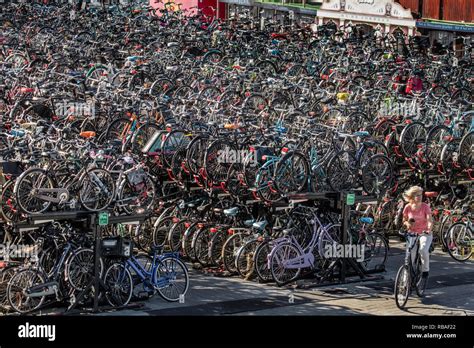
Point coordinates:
[(162, 273)]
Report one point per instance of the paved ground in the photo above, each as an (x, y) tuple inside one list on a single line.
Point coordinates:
[(450, 292)]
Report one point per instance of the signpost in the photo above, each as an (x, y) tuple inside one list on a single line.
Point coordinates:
[(350, 199), (103, 219)]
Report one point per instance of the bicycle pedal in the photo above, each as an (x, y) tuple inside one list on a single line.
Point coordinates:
[(144, 294)]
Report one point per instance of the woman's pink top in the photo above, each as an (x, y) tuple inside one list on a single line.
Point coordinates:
[(420, 216)]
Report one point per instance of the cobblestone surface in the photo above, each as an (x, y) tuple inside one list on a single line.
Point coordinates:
[(450, 289)]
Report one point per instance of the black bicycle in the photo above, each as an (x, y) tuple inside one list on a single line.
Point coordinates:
[(409, 276)]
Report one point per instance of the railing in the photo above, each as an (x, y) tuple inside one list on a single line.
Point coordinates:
[(311, 5)]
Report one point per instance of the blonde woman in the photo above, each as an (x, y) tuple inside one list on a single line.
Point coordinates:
[(418, 220)]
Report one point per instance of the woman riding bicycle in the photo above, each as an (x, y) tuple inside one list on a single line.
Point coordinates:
[(418, 220)]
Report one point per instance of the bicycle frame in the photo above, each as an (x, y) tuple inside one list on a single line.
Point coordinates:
[(307, 257), (412, 241)]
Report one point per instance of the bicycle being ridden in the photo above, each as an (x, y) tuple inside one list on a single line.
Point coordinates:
[(414, 272), (410, 275)]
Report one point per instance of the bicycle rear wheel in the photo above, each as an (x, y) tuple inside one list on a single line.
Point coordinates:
[(79, 269), (25, 191), (261, 262), (16, 291), (216, 248), (245, 257), (341, 171), (8, 209)]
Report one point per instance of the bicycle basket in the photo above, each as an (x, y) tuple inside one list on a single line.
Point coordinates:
[(136, 177), (116, 247)]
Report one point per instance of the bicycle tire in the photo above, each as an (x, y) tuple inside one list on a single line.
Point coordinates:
[(119, 285), (244, 258), (262, 252), (17, 286), (165, 278), (97, 177), (229, 251), (279, 255), (40, 206), (402, 287), (463, 240)]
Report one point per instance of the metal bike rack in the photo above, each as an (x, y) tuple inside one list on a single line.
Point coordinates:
[(338, 203), (90, 221), (97, 282)]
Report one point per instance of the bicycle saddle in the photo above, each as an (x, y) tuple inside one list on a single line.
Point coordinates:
[(431, 194), (201, 208), (362, 134), (231, 211), (249, 223), (87, 134), (287, 231), (260, 225), (133, 58), (75, 73), (156, 249), (444, 197), (366, 220)]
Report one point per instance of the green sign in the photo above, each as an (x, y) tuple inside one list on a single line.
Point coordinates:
[(103, 219), (350, 200)]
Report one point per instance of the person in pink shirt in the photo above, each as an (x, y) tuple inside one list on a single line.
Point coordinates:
[(418, 220)]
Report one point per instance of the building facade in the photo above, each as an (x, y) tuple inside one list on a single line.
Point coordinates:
[(386, 14)]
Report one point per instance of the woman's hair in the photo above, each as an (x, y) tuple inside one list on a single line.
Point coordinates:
[(408, 194)]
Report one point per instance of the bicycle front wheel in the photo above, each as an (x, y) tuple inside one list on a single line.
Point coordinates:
[(459, 241), (119, 284), (291, 173), (402, 286), (377, 175), (375, 251), (280, 260), (171, 279), (261, 262), (98, 190)]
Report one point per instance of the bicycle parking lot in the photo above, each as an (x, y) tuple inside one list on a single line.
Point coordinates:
[(225, 167)]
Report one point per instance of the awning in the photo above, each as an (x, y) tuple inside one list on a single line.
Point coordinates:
[(445, 26), (239, 2)]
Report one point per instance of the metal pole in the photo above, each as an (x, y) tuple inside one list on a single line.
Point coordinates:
[(345, 210), (97, 233)]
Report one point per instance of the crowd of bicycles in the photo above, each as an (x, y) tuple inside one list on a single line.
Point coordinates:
[(211, 128)]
